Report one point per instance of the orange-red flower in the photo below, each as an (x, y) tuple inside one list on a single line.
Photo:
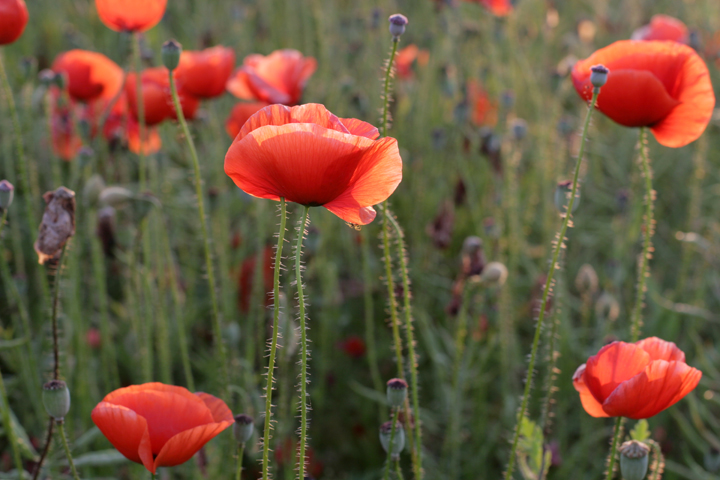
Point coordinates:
[(130, 15), (634, 380), (406, 57), (160, 425), (499, 8), (90, 75), (157, 100), (13, 18), (482, 109), (309, 156), (240, 114), (66, 141), (204, 74), (663, 27), (662, 85), (278, 78)]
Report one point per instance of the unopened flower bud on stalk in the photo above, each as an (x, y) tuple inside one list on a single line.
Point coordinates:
[(7, 192), (599, 76), (398, 443), (243, 428), (170, 52), (634, 460), (56, 398), (396, 392), (397, 25), (494, 274)]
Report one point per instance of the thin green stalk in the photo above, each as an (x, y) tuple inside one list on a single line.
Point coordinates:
[(153, 476), (217, 330), (614, 446), (398, 470), (241, 453), (386, 91), (559, 243), (10, 432), (388, 461), (304, 344), (274, 342), (391, 291), (643, 272), (61, 429), (140, 109)]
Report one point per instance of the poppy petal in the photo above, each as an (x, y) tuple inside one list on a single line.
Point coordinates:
[(239, 85), (659, 386), (240, 114), (181, 447), (130, 15), (126, 430), (360, 128), (219, 409), (314, 113), (591, 406), (613, 364), (659, 349)]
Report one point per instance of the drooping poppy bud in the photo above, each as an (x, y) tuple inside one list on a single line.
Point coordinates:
[(56, 398), (58, 224)]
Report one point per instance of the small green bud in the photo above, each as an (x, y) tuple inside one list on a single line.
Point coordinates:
[(7, 192), (598, 76), (243, 428), (398, 440), (634, 460), (115, 196), (562, 197), (56, 398), (494, 274), (170, 52), (396, 392)]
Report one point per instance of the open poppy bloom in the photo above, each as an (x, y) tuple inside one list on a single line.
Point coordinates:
[(309, 156), (634, 380), (663, 27), (240, 114), (278, 78), (130, 15), (13, 18), (160, 425), (406, 57), (90, 75), (157, 99), (204, 74), (499, 8), (662, 85)]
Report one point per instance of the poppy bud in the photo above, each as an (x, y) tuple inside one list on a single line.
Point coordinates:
[(92, 189), (46, 77), (494, 274), (170, 52), (56, 398), (587, 280), (397, 25), (519, 128), (398, 440), (562, 197), (243, 428), (7, 192), (396, 392), (599, 75), (634, 460), (115, 196)]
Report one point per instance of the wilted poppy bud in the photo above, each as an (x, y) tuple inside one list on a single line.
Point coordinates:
[(587, 280), (56, 398), (115, 196), (494, 274), (92, 189), (634, 460), (243, 428), (7, 192), (397, 25), (396, 392), (398, 440), (562, 197), (170, 52), (519, 128), (58, 223), (599, 75)]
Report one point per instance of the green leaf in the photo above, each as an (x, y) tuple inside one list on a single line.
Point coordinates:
[(641, 431), (23, 441)]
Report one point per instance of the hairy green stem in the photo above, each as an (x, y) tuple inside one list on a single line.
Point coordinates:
[(46, 448), (546, 292), (55, 305), (386, 91), (241, 453), (142, 167), (394, 322), (61, 429), (617, 433), (388, 461), (398, 470), (304, 344), (9, 431)]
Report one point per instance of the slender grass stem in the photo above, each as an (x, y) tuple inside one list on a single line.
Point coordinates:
[(398, 470), (241, 453), (370, 320), (559, 243), (217, 330), (61, 429), (617, 433), (393, 427), (142, 167), (304, 344), (9, 431), (274, 342)]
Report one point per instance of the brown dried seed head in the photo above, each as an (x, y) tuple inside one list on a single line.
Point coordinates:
[(58, 224)]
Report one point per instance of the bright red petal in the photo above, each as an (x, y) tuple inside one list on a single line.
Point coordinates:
[(181, 447), (613, 364), (314, 113), (360, 128), (126, 430), (662, 27), (219, 409), (591, 406), (204, 74), (240, 114), (659, 349), (239, 85), (131, 15)]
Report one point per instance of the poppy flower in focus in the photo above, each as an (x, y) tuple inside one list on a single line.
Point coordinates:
[(663, 27), (662, 85), (157, 100), (406, 57), (240, 114), (13, 18), (483, 109), (634, 380), (499, 8), (160, 425), (90, 75), (309, 156), (353, 346), (130, 15), (204, 74), (278, 78)]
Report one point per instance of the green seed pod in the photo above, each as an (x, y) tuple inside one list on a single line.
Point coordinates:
[(396, 392), (7, 192), (634, 460), (56, 398), (171, 51), (398, 440), (243, 428), (598, 75)]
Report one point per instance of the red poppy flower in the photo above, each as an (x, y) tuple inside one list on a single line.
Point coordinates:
[(353, 346), (130, 15), (160, 425), (247, 278), (278, 78), (13, 18), (204, 74), (662, 85), (406, 57), (483, 109), (663, 27), (157, 99), (309, 156), (634, 380), (499, 8), (240, 114), (65, 139), (90, 75)]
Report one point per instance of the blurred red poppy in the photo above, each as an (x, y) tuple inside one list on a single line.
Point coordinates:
[(13, 18), (204, 74), (634, 380), (406, 57), (157, 99), (500, 8), (285, 455), (160, 425), (65, 139), (90, 75), (662, 85), (278, 78), (309, 156), (353, 346), (483, 110), (131, 15), (247, 278), (240, 114), (663, 27)]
